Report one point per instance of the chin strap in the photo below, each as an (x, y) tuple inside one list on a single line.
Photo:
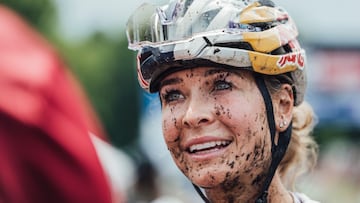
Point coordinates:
[(277, 151), (203, 197)]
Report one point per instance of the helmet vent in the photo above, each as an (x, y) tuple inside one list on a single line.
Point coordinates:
[(268, 3), (282, 50), (236, 45)]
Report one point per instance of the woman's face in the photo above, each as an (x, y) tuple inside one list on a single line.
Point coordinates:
[(215, 126)]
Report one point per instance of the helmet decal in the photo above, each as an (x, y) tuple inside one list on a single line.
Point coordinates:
[(293, 59)]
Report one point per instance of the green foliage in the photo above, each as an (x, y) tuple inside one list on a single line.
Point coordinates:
[(105, 67), (39, 13), (329, 133)]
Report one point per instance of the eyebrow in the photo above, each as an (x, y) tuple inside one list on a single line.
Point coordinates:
[(218, 70), (171, 81), (176, 80)]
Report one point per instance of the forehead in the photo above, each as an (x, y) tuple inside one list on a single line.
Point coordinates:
[(187, 74)]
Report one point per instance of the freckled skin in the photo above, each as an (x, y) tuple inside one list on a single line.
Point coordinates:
[(236, 114)]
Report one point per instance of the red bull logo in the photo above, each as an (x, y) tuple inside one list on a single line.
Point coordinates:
[(297, 59)]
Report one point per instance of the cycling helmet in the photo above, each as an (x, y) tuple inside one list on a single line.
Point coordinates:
[(241, 34), (253, 35)]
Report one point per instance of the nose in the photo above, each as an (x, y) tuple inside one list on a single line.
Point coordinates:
[(197, 114)]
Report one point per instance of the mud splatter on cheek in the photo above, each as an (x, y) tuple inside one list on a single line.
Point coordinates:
[(184, 169), (256, 117), (220, 110), (177, 139), (175, 153), (217, 112), (172, 137), (249, 133), (259, 179), (174, 122), (248, 156), (168, 126), (259, 152), (228, 113), (231, 164)]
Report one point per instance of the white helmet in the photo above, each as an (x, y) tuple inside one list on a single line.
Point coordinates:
[(253, 35)]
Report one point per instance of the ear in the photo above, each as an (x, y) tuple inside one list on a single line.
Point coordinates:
[(283, 106)]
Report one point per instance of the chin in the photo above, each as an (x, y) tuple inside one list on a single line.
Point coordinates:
[(207, 178)]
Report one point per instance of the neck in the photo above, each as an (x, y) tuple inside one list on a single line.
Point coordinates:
[(241, 193)]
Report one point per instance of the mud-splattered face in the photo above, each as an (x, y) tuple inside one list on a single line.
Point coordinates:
[(215, 126)]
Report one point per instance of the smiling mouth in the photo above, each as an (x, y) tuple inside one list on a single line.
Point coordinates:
[(208, 147)]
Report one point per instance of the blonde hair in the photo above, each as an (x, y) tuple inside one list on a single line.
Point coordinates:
[(301, 155)]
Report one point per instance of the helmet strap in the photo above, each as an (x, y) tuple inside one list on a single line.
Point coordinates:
[(203, 197), (277, 151)]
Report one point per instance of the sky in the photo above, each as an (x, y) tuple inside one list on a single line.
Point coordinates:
[(321, 21), (79, 18)]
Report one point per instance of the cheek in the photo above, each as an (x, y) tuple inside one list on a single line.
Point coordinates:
[(259, 155), (251, 154), (244, 114), (251, 131), (222, 111), (170, 126), (171, 133)]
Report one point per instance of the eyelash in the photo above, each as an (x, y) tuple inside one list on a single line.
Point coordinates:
[(175, 95), (169, 94), (219, 85)]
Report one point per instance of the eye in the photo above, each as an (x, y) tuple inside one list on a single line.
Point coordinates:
[(172, 95), (222, 85)]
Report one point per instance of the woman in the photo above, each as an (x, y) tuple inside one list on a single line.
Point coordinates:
[(231, 80)]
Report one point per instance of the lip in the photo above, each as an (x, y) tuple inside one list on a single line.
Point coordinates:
[(213, 153)]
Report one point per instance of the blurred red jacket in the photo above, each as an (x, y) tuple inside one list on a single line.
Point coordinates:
[(46, 154)]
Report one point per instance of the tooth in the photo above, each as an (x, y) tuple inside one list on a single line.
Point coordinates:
[(207, 145)]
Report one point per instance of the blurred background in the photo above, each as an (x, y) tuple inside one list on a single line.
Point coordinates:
[(90, 36)]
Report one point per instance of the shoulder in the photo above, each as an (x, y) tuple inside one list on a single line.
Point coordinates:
[(302, 198)]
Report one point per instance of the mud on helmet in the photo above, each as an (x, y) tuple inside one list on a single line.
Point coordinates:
[(239, 34)]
